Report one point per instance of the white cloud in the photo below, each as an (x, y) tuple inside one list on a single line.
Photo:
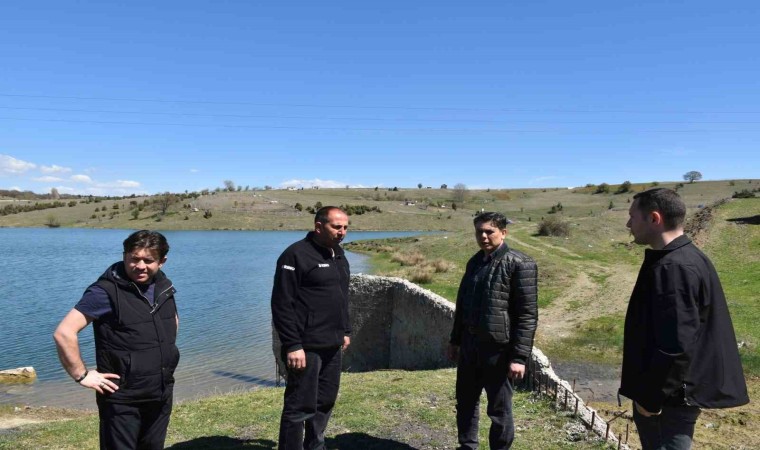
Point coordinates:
[(54, 169), (15, 188), (194, 170), (11, 165), (543, 179), (81, 179), (316, 182), (48, 179), (119, 184)]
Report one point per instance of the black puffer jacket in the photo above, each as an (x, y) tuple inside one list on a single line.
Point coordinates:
[(508, 295)]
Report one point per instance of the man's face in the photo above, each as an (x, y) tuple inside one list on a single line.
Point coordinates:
[(332, 233), (142, 264), (640, 224), (489, 236)]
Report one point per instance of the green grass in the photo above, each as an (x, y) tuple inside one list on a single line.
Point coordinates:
[(599, 340), (376, 410), (735, 250)]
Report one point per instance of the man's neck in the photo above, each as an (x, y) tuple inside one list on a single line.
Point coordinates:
[(666, 238)]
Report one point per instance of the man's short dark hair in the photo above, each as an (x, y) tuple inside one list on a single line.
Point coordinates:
[(667, 202), (147, 239), (323, 212), (498, 220)]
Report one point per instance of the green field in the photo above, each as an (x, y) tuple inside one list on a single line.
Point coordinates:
[(382, 410)]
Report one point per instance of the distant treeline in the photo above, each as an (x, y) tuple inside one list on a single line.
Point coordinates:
[(27, 207)]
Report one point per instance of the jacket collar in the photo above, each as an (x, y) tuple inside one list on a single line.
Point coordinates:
[(324, 251), (118, 275), (498, 253), (653, 255)]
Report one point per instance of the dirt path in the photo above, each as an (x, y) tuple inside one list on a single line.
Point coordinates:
[(587, 299), (20, 416)]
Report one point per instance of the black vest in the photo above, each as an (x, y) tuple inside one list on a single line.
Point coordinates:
[(137, 341)]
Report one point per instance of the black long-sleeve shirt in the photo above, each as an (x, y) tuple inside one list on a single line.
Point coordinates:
[(310, 296)]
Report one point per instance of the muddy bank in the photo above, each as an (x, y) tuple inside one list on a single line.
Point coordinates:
[(593, 382)]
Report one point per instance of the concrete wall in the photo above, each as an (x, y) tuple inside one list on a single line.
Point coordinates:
[(397, 325)]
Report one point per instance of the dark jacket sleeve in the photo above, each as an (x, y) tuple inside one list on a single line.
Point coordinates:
[(456, 330), (284, 298), (675, 309), (523, 310), (346, 315)]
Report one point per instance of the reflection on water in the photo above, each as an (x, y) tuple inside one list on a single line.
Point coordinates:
[(223, 281)]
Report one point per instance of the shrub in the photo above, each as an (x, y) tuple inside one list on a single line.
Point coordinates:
[(743, 194), (421, 276), (408, 259), (553, 226), (603, 188), (135, 213), (442, 266), (72, 203), (623, 188), (52, 222)]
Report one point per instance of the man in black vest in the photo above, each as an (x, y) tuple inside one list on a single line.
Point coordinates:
[(679, 348), (134, 317), (310, 314)]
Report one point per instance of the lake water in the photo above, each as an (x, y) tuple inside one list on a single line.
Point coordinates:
[(223, 281)]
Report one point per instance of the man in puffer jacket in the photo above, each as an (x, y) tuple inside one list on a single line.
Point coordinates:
[(492, 338)]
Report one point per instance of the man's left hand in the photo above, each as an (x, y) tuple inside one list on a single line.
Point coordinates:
[(644, 412), (346, 342), (516, 371)]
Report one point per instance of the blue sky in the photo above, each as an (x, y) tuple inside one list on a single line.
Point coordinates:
[(145, 97)]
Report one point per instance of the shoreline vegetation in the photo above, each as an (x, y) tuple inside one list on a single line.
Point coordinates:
[(584, 284)]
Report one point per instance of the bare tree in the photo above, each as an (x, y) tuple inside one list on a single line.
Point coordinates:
[(229, 185), (692, 176), (164, 201), (460, 192)]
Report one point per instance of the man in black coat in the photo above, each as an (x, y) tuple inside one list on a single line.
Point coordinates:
[(310, 315), (492, 337), (679, 352)]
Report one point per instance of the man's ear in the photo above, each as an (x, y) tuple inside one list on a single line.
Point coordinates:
[(162, 262), (657, 218)]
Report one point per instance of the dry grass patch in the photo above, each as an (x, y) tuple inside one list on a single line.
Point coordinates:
[(408, 259)]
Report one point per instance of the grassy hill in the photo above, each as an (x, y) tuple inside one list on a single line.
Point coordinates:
[(405, 209)]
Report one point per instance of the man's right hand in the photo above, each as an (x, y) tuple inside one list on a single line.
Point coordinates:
[(297, 360), (100, 382), (453, 352)]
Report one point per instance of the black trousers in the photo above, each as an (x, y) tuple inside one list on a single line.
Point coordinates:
[(309, 399), (140, 426), (483, 366), (673, 429)]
